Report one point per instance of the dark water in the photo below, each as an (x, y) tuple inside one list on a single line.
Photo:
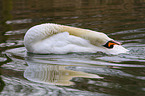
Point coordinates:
[(99, 74)]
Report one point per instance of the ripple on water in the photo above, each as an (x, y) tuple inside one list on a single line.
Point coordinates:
[(115, 70)]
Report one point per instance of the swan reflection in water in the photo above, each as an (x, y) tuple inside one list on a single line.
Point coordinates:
[(51, 73)]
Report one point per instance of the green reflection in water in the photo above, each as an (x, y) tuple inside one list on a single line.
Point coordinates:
[(2, 84), (5, 12)]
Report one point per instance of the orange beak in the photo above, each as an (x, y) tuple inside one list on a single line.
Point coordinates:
[(113, 43), (110, 44)]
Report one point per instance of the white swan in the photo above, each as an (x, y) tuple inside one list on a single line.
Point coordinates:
[(61, 39)]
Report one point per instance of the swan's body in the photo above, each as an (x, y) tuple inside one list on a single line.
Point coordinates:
[(60, 39)]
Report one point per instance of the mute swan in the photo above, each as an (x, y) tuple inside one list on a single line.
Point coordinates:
[(61, 39)]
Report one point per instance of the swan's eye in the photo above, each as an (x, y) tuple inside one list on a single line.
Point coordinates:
[(110, 44)]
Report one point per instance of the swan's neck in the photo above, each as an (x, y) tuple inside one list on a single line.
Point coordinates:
[(95, 38)]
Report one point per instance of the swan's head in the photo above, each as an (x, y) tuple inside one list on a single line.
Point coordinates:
[(106, 44), (102, 40)]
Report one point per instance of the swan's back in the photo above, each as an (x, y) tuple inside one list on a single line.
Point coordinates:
[(39, 33)]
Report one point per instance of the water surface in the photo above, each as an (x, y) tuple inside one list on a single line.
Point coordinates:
[(73, 74)]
